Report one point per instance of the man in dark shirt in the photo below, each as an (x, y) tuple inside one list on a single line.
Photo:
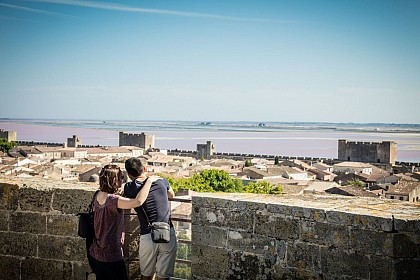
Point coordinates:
[(156, 258)]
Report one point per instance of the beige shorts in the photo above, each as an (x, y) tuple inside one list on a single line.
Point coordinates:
[(157, 257)]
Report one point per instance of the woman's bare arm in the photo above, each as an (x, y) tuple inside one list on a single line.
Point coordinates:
[(128, 203)]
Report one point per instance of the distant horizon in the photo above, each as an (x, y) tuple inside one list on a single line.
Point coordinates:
[(215, 121)]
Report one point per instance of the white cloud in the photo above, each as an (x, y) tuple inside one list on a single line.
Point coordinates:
[(124, 8)]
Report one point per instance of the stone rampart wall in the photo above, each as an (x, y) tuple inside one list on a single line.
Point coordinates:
[(312, 237), (38, 230), (234, 236)]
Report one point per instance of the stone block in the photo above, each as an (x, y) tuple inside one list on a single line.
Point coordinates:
[(4, 220), (407, 269), (133, 270), (337, 264), (131, 246), (131, 222), (209, 236), (406, 245), (372, 242), (306, 213), (18, 244), (61, 248), (407, 225), (40, 269), (81, 270), (28, 222), (8, 196), (72, 201), (358, 221), (65, 225), (244, 265), (224, 218), (37, 200), (10, 268), (381, 267), (209, 262), (280, 210), (277, 227), (325, 234), (252, 243), (304, 257)]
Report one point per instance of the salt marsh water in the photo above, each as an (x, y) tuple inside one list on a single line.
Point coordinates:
[(276, 138)]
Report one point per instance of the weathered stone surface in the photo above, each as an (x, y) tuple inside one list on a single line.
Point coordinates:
[(304, 257), (336, 263), (211, 236), (40, 269), (133, 270), (252, 243), (408, 269), (406, 245), (325, 234), (244, 265), (239, 220), (31, 199), (8, 196), (210, 262), (131, 222), (131, 246), (372, 242), (65, 225), (81, 270), (18, 244), (10, 268), (407, 225), (28, 222), (4, 220), (61, 248), (381, 267), (71, 201), (359, 221), (277, 227)]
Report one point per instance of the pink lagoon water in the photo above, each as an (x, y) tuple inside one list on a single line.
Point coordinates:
[(290, 141)]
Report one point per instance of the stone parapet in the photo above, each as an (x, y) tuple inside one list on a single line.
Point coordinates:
[(234, 236), (38, 230), (246, 236)]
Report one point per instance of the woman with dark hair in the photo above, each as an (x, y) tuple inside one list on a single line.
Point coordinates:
[(106, 251)]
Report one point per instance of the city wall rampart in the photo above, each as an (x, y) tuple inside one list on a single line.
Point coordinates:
[(244, 236), (234, 236), (38, 230)]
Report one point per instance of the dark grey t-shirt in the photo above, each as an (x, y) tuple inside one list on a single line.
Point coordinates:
[(156, 205)]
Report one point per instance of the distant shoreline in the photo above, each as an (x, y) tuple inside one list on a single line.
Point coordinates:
[(245, 126), (242, 138)]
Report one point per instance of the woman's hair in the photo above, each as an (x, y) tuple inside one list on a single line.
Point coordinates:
[(110, 178)]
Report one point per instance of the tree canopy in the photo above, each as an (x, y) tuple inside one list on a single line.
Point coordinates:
[(5, 145), (214, 180)]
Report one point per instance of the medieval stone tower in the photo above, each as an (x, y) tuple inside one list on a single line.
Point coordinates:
[(8, 135), (371, 152), (142, 140), (74, 142), (205, 150)]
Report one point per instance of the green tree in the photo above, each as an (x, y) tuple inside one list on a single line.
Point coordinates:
[(214, 180), (263, 187), (276, 160), (5, 145), (356, 183), (248, 163)]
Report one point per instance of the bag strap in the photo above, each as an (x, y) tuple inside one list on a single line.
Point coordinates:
[(148, 221), (93, 199)]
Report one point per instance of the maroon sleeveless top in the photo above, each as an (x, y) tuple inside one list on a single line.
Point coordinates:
[(109, 231)]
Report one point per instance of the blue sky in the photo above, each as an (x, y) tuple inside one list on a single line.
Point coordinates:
[(321, 61)]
